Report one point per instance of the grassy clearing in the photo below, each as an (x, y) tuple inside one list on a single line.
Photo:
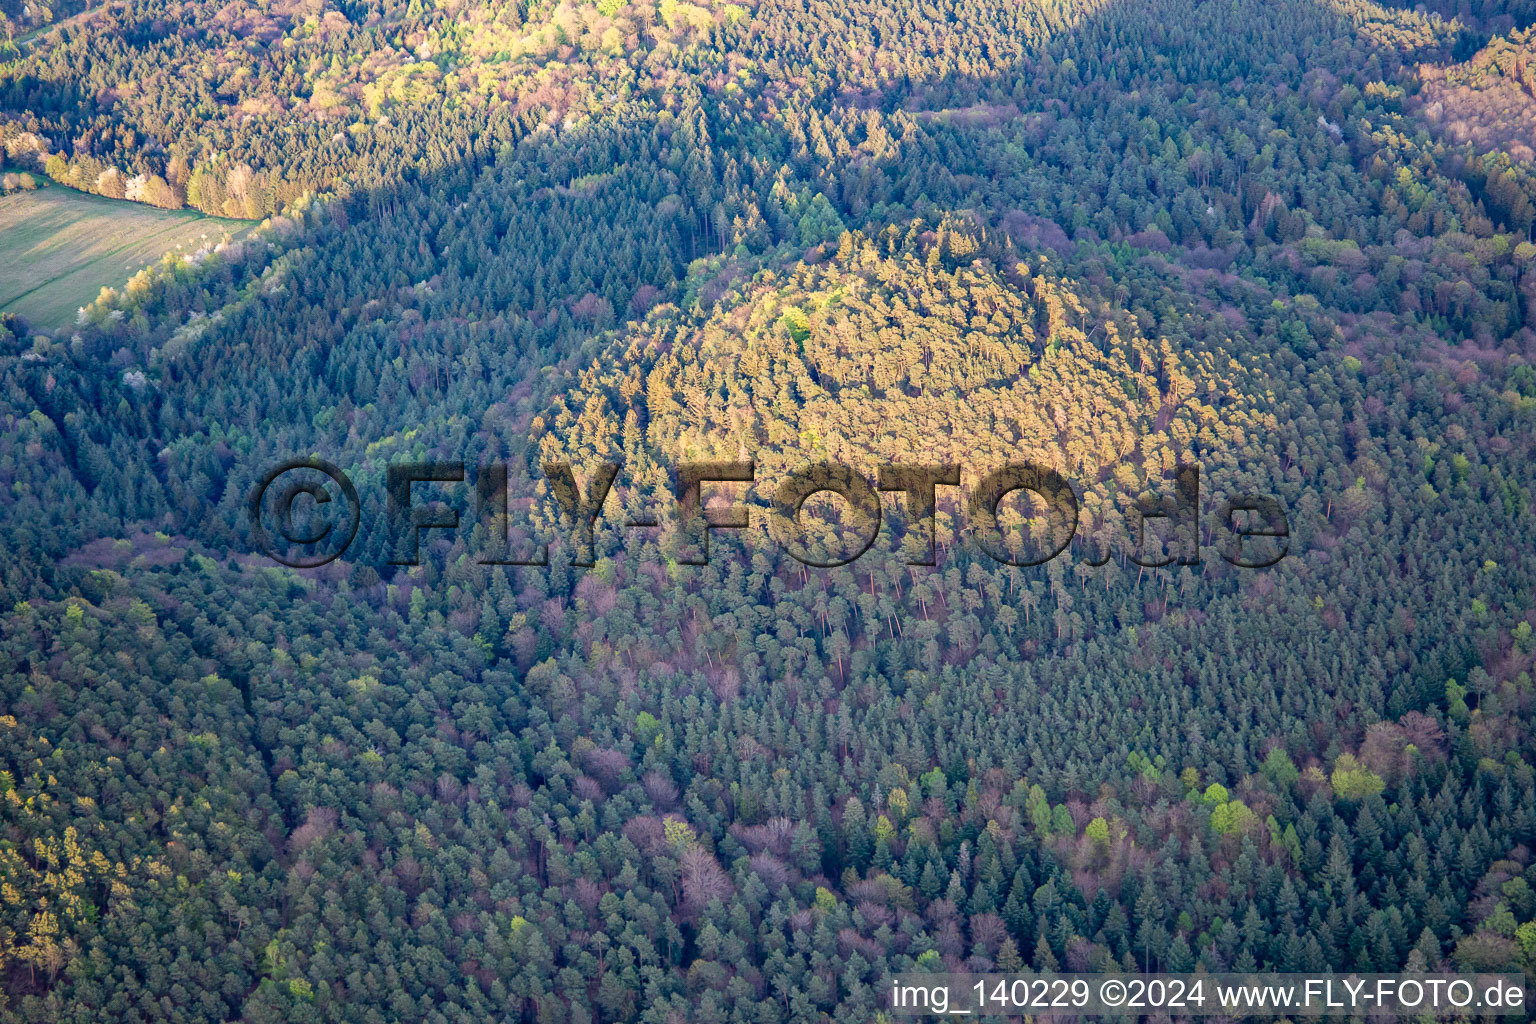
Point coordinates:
[(59, 248)]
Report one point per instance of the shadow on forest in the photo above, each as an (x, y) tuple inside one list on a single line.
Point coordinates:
[(429, 317)]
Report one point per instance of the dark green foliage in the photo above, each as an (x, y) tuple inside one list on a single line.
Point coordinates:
[(1111, 236)]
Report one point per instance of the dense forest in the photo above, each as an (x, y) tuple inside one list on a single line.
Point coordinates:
[(1290, 243)]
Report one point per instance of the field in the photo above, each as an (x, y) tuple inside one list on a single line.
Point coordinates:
[(59, 248)]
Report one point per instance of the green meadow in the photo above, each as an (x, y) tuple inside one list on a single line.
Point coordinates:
[(59, 247)]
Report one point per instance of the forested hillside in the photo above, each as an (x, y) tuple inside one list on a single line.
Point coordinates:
[(1289, 242)]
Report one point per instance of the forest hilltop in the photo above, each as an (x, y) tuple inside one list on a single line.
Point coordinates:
[(1290, 243)]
